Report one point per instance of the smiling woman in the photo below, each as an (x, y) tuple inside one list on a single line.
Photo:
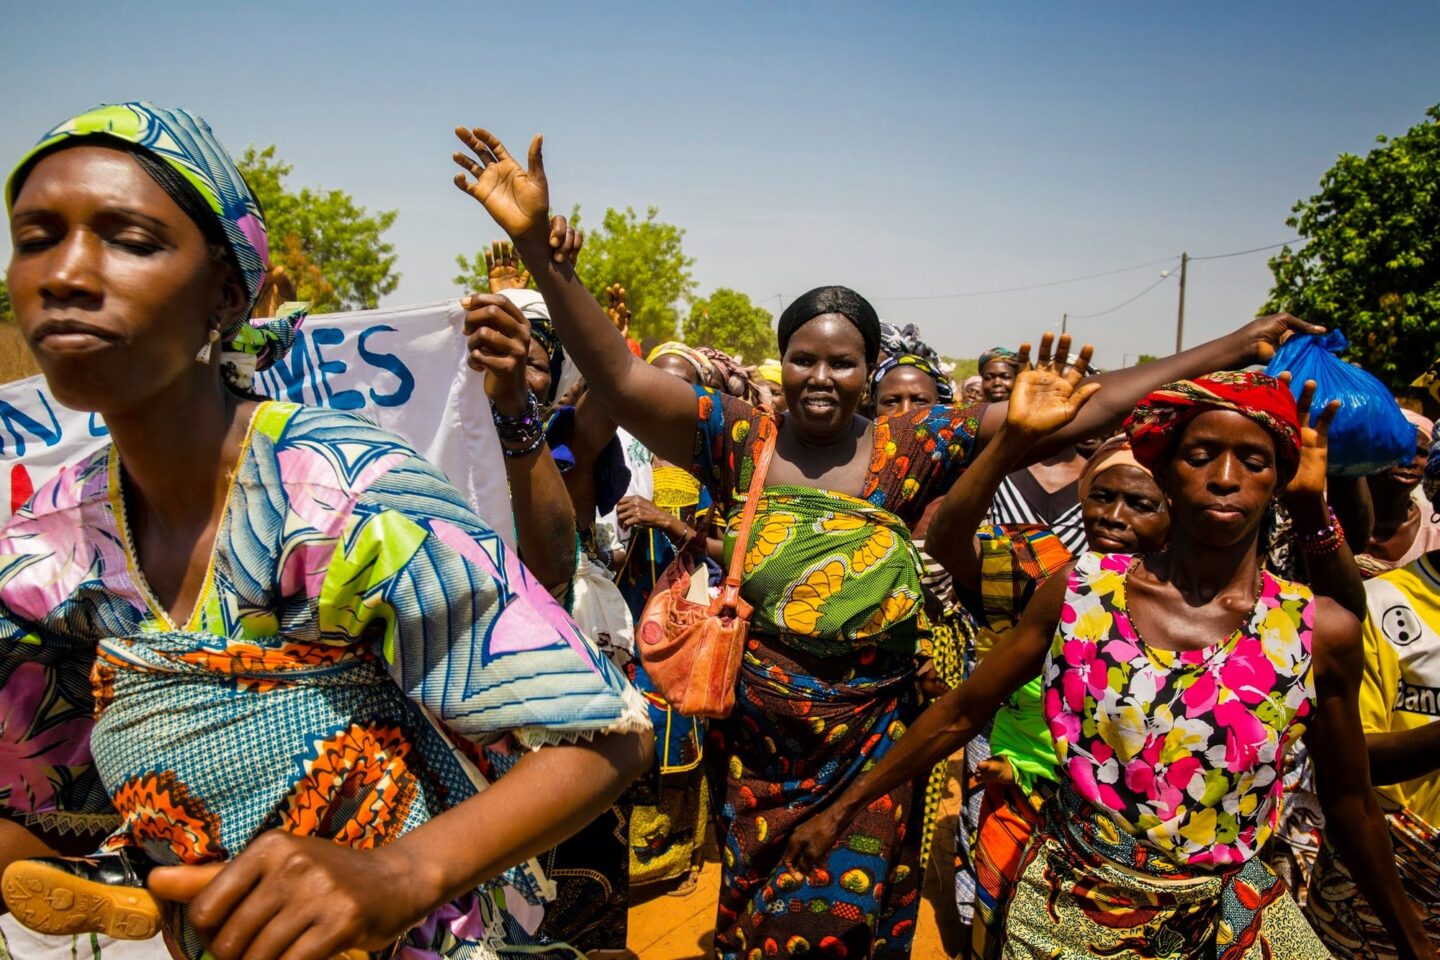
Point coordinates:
[(288, 587)]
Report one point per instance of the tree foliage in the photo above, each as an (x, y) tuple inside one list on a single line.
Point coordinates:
[(1371, 263), (7, 313), (728, 320), (333, 248), (646, 257)]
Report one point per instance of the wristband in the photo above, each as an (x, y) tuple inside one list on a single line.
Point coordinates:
[(526, 430), (1325, 541)]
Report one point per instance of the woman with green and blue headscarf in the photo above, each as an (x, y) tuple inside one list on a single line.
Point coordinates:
[(298, 629)]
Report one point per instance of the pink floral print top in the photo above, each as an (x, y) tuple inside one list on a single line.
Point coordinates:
[(1182, 749)]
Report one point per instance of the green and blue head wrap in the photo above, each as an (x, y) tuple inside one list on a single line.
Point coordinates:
[(186, 146)]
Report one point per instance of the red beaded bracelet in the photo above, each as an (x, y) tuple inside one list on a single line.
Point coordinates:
[(1325, 541)]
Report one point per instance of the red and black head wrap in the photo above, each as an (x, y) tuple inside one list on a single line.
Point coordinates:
[(1159, 418)]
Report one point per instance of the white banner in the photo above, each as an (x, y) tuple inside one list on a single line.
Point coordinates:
[(403, 368)]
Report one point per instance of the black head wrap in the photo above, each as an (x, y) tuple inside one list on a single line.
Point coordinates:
[(841, 300)]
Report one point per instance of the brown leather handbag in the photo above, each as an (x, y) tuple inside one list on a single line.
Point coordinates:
[(689, 644)]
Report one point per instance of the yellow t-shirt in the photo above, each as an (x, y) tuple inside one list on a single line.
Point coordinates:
[(1401, 687)]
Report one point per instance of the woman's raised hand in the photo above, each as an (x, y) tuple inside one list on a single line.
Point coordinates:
[(1309, 480), (504, 269), (618, 311), (497, 344), (1048, 395), (518, 200), (1261, 337)]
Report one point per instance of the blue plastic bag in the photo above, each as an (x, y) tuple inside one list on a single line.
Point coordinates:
[(1369, 433)]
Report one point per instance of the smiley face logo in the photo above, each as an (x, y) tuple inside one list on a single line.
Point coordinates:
[(1400, 625)]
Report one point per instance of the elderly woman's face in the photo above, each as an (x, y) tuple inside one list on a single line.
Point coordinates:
[(972, 392), (1125, 512), (1222, 477), (113, 285)]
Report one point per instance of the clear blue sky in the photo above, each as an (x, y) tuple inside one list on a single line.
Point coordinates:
[(908, 152)]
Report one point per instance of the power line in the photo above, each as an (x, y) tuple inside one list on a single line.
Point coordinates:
[(1241, 253), (1090, 276), (1091, 316), (1030, 286)]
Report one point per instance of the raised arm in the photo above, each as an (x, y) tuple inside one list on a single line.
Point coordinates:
[(1333, 573), (1342, 778), (946, 725), (498, 341), (1253, 343), (1044, 400), (660, 410)]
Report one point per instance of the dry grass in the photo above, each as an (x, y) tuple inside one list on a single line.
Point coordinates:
[(16, 363)]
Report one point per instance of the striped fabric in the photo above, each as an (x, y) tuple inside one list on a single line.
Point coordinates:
[(1010, 508)]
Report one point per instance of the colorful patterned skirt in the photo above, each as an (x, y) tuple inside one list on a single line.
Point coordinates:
[(804, 727), (1008, 818), (1340, 914), (1087, 888)]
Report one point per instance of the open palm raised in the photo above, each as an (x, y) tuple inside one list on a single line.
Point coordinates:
[(518, 200), (1048, 395)]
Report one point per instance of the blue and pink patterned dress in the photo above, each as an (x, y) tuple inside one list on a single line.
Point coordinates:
[(359, 634)]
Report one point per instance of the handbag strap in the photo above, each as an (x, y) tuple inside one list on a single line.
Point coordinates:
[(770, 431)]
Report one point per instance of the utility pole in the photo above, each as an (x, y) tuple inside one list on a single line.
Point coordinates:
[(1064, 322), (1180, 317)]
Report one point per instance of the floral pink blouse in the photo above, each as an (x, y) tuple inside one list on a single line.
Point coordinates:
[(1182, 749)]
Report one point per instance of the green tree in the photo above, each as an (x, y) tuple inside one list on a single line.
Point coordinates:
[(646, 257), (1145, 358), (7, 313), (333, 248), (1371, 263), (729, 320)]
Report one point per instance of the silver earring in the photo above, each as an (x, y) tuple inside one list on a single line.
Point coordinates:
[(203, 357)]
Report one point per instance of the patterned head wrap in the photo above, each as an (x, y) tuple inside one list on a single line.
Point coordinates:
[(905, 341), (704, 369), (184, 143), (944, 391), (542, 330), (733, 377), (998, 353), (1432, 472), (1160, 417), (1114, 452)]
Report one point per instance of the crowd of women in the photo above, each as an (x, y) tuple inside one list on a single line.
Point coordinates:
[(270, 688)]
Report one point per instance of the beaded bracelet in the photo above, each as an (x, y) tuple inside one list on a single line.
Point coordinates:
[(1325, 541), (527, 430)]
